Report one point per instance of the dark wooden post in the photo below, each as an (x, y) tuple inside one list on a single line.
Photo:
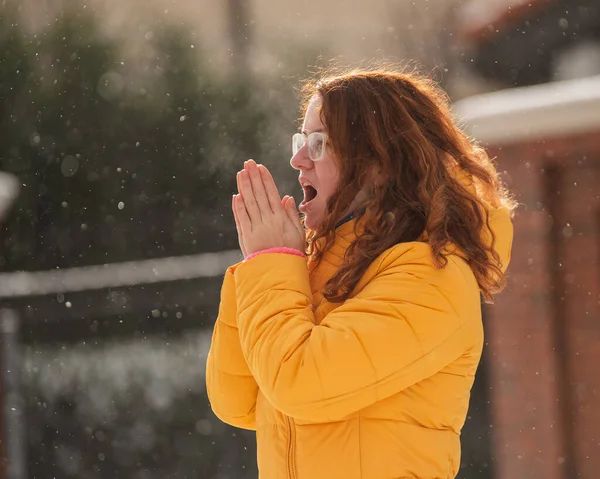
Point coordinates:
[(12, 432)]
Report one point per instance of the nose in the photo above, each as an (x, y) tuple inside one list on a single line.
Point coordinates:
[(301, 160)]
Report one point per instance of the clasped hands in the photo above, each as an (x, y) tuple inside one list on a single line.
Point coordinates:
[(263, 219)]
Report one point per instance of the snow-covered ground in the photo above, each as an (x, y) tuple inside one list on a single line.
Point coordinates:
[(101, 377)]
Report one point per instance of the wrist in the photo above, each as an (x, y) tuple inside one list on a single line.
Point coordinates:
[(280, 250)]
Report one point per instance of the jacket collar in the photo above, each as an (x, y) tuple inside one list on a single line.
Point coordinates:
[(350, 217), (333, 258)]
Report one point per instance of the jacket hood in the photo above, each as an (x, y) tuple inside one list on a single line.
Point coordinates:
[(499, 235)]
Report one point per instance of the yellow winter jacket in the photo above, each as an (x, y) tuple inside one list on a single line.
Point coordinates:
[(376, 387)]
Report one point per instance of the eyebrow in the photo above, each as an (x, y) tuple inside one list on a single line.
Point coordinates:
[(306, 133)]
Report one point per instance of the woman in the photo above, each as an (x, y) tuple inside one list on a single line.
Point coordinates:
[(350, 345)]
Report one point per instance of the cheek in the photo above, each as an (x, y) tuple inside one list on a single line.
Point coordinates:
[(329, 179)]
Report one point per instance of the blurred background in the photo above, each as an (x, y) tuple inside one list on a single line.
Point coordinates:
[(122, 123)]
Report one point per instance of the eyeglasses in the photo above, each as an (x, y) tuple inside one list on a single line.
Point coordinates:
[(316, 144)]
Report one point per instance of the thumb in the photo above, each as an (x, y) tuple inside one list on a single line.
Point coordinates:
[(294, 215), (292, 211)]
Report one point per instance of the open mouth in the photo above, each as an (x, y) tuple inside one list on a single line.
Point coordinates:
[(310, 193)]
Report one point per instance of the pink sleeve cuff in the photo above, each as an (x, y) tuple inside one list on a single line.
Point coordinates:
[(296, 252)]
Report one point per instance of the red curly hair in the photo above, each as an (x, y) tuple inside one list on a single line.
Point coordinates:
[(400, 125)]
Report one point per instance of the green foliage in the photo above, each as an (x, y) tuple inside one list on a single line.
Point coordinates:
[(120, 157)]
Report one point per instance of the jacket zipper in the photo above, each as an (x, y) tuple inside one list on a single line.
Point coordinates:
[(291, 446)]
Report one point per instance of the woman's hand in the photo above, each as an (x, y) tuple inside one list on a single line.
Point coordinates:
[(264, 220)]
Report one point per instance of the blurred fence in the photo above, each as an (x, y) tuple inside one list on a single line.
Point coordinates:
[(103, 376), (103, 372)]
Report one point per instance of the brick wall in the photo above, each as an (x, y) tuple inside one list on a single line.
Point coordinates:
[(544, 332)]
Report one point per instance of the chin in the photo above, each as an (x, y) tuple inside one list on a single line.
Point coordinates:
[(312, 221)]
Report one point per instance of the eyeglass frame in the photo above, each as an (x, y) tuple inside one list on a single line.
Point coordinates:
[(304, 138)]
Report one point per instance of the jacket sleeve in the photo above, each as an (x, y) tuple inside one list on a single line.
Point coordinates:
[(230, 385), (396, 332)]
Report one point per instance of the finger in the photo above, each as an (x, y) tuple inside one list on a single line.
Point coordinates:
[(271, 188), (247, 195), (260, 194), (239, 235), (238, 227), (242, 216), (237, 181)]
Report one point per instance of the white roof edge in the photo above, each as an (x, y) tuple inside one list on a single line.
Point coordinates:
[(113, 275), (530, 113)]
